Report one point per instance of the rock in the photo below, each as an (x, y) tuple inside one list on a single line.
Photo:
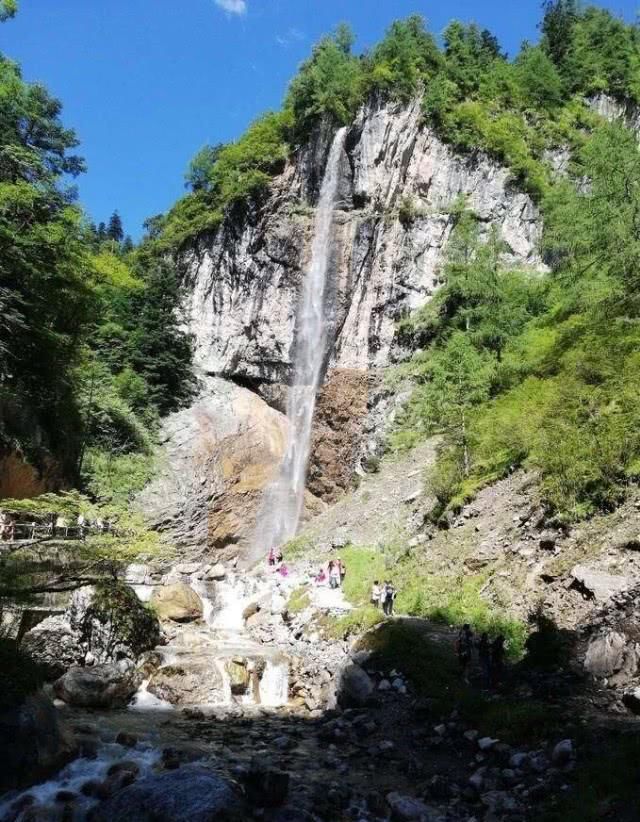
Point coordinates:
[(605, 654), (598, 584), (562, 752), (34, 743), (137, 574), (407, 808), (190, 794), (354, 686), (216, 572), (476, 780), (266, 787), (471, 736), (198, 684), (220, 454), (126, 740), (547, 541), (500, 802), (177, 602), (102, 624), (384, 685), (441, 730), (631, 700), (239, 676), (519, 760), (486, 743), (55, 645), (186, 569), (101, 686)]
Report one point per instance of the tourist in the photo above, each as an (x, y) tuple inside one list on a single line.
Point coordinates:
[(321, 577), (272, 556), (81, 523), (334, 575), (464, 649), (484, 657), (279, 556), (389, 595), (376, 592), (7, 527), (342, 568), (283, 570), (497, 659)]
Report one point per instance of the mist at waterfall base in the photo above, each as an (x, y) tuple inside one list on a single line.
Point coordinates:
[(281, 509)]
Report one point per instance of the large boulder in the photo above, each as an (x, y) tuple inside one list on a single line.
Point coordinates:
[(177, 602), (34, 743), (55, 645), (354, 686), (599, 585), (189, 794), (101, 686), (103, 624), (605, 654), (219, 455), (198, 683)]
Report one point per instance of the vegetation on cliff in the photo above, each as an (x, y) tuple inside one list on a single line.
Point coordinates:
[(541, 372), (473, 95)]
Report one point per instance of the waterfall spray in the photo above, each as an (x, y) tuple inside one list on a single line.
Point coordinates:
[(282, 506)]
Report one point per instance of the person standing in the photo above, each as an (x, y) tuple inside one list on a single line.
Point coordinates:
[(342, 568), (334, 575), (464, 649), (376, 593), (389, 594)]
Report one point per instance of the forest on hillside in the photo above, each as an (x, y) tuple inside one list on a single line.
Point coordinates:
[(511, 370)]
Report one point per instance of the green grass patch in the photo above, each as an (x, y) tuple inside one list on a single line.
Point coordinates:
[(356, 621), (299, 600)]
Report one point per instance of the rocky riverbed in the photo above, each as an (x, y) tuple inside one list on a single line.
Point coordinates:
[(334, 731)]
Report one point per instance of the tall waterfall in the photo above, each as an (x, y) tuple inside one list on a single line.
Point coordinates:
[(280, 513)]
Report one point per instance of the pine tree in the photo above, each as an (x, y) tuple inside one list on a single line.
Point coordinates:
[(115, 231)]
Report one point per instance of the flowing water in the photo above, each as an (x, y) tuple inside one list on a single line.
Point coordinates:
[(280, 513)]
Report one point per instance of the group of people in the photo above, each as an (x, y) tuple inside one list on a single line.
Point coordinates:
[(275, 561), (490, 655), (383, 596), (334, 574)]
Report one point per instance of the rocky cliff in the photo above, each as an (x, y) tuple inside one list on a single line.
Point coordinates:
[(399, 193)]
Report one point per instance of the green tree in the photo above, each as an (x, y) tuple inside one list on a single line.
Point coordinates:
[(115, 231), (200, 171), (8, 9), (459, 380), (560, 17)]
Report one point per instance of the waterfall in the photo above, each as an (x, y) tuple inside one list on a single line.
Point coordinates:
[(282, 506)]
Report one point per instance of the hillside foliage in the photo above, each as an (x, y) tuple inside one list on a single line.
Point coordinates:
[(473, 95)]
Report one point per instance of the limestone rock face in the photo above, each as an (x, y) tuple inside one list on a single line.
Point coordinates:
[(244, 279), (398, 196), (219, 455), (177, 602), (199, 683)]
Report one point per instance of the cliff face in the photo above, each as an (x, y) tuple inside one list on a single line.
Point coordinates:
[(399, 187), (243, 281)]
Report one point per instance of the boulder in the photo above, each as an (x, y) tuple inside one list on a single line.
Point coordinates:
[(631, 700), (101, 686), (239, 676), (198, 684), (605, 654), (54, 645), (407, 808), (34, 743), (102, 624), (188, 794), (354, 686), (215, 572), (177, 602), (562, 752), (598, 584)]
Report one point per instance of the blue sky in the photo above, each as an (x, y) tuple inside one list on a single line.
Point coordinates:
[(145, 83)]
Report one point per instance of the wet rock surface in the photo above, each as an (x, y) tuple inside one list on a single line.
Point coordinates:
[(100, 686)]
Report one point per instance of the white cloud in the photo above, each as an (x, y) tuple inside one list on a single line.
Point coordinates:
[(238, 7), (291, 36)]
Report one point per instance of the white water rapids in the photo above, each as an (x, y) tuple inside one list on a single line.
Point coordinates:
[(282, 507)]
